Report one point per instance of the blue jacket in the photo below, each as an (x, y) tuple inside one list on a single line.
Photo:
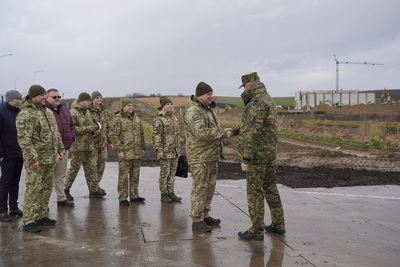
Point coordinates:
[(9, 147)]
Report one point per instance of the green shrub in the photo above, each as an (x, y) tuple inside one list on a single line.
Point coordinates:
[(376, 143)]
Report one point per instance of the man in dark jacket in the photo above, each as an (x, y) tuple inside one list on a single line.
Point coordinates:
[(67, 131), (10, 157)]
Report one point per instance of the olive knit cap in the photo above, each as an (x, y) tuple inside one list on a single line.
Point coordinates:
[(247, 78), (96, 94), (164, 100), (84, 97), (35, 90), (202, 89), (125, 101)]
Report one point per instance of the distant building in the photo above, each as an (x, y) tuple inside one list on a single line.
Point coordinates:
[(332, 98)]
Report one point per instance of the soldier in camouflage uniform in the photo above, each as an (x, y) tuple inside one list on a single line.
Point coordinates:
[(41, 147), (100, 115), (258, 139), (82, 149), (166, 145), (127, 136), (203, 148)]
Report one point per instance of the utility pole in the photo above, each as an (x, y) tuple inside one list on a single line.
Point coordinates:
[(349, 62)]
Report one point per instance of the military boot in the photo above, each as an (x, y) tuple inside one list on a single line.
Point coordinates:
[(174, 197), (68, 195), (270, 229), (165, 198), (211, 221), (201, 227)]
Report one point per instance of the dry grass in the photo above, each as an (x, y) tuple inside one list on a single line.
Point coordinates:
[(178, 101), (351, 131)]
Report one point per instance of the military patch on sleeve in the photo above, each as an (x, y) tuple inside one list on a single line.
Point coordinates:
[(196, 118), (21, 124), (112, 128)]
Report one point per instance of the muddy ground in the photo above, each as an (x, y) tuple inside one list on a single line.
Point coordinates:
[(303, 165)]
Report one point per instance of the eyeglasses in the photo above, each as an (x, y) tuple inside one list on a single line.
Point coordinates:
[(55, 97)]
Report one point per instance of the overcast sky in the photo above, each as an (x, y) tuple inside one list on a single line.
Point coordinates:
[(168, 46)]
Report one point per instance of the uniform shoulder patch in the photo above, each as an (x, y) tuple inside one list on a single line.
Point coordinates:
[(21, 123), (196, 118), (112, 128)]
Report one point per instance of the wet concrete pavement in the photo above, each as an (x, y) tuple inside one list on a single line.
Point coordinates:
[(353, 226)]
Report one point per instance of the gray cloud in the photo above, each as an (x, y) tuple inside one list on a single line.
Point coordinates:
[(167, 47)]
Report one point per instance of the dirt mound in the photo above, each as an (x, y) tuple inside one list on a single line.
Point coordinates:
[(361, 109)]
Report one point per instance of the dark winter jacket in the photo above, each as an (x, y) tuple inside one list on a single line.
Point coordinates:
[(9, 147), (65, 124)]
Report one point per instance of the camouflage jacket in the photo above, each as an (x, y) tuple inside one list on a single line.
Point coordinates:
[(203, 132), (38, 134), (258, 129), (127, 135), (166, 134), (84, 140), (101, 115)]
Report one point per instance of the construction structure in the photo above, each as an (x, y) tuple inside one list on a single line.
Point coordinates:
[(349, 62), (332, 98), (385, 96)]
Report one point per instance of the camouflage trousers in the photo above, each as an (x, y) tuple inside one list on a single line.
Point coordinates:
[(167, 175), (128, 178), (203, 186), (261, 183), (100, 159), (39, 184), (87, 160)]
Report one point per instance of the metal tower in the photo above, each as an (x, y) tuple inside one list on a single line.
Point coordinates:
[(349, 62)]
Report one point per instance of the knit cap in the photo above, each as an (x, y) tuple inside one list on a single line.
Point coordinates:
[(96, 94), (12, 94), (125, 101), (35, 90), (164, 100), (202, 89), (84, 97)]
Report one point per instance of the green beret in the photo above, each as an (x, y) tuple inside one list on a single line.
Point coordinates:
[(202, 89), (125, 101), (35, 90), (84, 97), (96, 94), (251, 77), (164, 100)]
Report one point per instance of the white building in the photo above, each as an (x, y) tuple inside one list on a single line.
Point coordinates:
[(333, 98)]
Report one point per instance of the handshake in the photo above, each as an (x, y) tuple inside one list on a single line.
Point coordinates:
[(228, 132)]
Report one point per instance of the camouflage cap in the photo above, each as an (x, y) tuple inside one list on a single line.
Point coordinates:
[(247, 78)]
